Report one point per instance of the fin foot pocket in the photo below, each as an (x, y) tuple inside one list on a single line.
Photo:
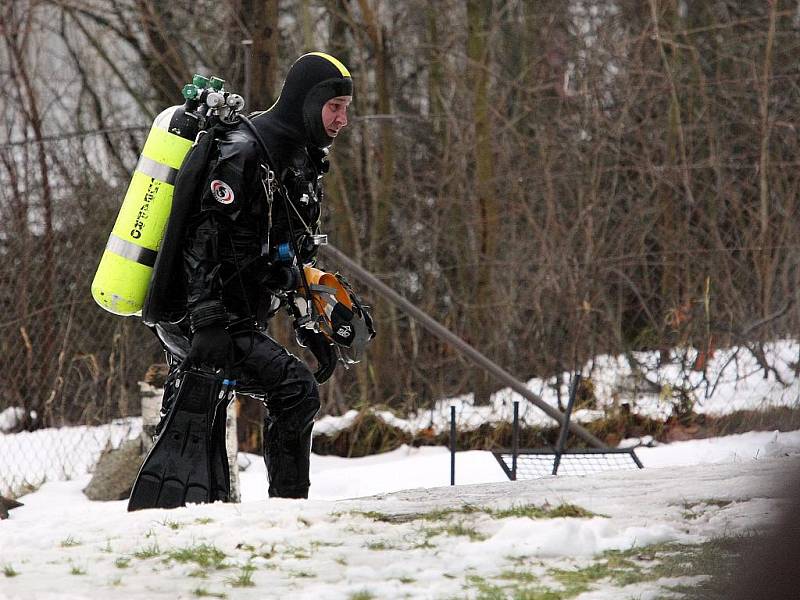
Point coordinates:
[(188, 463)]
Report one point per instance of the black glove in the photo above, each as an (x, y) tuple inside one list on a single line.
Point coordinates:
[(211, 346), (282, 277), (322, 349)]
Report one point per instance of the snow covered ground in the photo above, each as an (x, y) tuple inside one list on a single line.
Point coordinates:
[(390, 526), (732, 380), (483, 538)]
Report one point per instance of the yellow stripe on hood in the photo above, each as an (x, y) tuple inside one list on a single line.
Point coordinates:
[(336, 62)]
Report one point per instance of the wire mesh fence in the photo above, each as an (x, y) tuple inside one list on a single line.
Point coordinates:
[(64, 359), (536, 464), (29, 459), (65, 362)]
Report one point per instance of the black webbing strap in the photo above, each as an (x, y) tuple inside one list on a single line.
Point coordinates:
[(283, 192)]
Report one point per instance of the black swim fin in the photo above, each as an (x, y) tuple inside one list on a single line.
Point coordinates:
[(189, 462)]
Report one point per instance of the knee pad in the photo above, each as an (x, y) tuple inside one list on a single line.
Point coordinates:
[(299, 394)]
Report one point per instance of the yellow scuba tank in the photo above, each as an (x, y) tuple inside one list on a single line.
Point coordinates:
[(123, 275)]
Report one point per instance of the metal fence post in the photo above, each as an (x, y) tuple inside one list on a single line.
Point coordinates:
[(562, 437), (452, 445), (515, 441)]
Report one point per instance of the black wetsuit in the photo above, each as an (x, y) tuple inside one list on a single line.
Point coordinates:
[(232, 236)]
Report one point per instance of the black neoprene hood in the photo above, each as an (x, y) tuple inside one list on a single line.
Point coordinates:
[(312, 80)]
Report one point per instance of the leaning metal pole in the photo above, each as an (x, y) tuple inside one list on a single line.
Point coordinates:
[(449, 337)]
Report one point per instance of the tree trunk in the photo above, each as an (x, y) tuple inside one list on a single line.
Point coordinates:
[(165, 64), (486, 217), (260, 17)]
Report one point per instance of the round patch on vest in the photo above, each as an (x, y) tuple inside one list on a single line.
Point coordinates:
[(223, 193)]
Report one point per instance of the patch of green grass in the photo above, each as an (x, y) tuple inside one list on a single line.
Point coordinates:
[(76, 570), (520, 576), (386, 518), (175, 525), (204, 555), (577, 581), (619, 560), (69, 542), (244, 578), (302, 574), (203, 593), (689, 512), (439, 515), (362, 595), (486, 590), (148, 551), (532, 511), (626, 567), (9, 571), (490, 591), (433, 515), (380, 545), (204, 520), (719, 503), (661, 561), (522, 560), (318, 544), (297, 552), (266, 554), (425, 544), (631, 566), (460, 529), (453, 529), (712, 559), (123, 562), (539, 594)]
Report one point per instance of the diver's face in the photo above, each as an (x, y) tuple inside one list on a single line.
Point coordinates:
[(334, 114)]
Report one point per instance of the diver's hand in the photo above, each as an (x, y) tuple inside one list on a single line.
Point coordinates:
[(211, 347), (322, 349), (282, 278)]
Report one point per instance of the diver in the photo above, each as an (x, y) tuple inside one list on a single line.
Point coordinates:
[(254, 223)]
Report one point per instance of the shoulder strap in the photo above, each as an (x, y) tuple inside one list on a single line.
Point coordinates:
[(284, 194), (263, 146), (163, 301)]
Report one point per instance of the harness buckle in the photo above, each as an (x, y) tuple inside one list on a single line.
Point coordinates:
[(269, 183)]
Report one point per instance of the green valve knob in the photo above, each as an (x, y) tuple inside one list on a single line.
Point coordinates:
[(190, 91), (216, 83), (200, 81)]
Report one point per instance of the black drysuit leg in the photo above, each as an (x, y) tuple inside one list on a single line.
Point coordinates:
[(265, 368), (292, 399)]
